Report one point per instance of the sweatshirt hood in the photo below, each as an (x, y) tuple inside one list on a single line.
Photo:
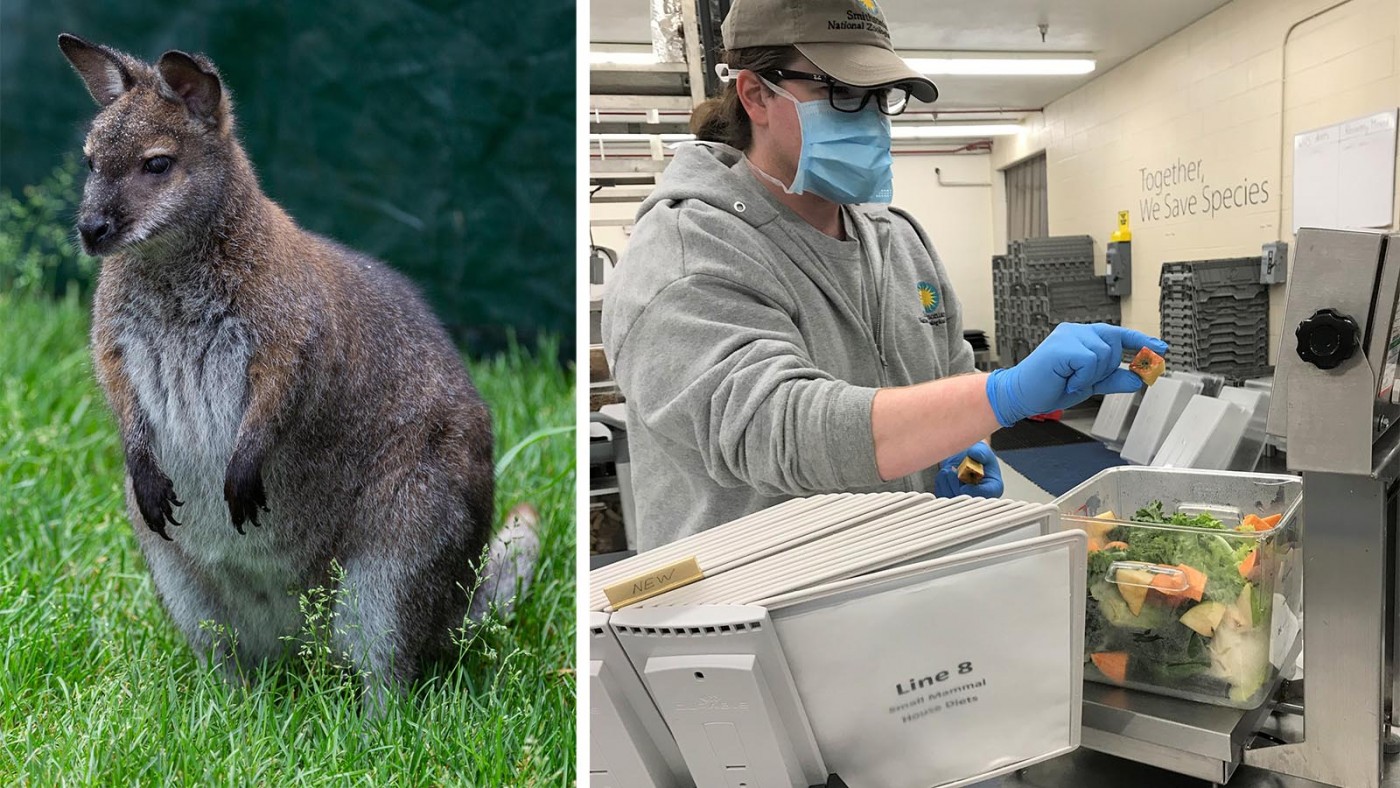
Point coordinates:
[(706, 171), (713, 173)]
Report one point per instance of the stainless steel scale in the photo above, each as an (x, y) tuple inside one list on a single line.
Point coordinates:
[(1335, 400)]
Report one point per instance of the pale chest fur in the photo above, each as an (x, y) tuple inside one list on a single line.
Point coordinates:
[(190, 380), (191, 383)]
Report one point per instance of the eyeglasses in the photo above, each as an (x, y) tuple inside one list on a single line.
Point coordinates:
[(847, 98)]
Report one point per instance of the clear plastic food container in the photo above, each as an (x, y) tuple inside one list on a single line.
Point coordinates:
[(1186, 609)]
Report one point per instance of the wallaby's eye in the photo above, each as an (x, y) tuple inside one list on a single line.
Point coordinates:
[(157, 164), (88, 161)]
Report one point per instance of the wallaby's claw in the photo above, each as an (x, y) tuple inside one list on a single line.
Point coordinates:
[(243, 491), (155, 494)]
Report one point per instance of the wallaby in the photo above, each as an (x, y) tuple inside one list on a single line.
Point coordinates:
[(286, 403)]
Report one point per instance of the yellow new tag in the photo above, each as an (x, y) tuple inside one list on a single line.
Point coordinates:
[(657, 581)]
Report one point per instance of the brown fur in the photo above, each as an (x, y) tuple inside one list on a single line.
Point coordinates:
[(262, 375)]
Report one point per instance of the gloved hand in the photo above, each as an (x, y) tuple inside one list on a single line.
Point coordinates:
[(1074, 362), (947, 485)]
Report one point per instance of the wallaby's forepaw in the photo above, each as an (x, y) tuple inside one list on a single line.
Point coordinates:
[(155, 495), (243, 490)]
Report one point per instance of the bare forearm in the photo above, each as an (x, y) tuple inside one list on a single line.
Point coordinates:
[(916, 426)]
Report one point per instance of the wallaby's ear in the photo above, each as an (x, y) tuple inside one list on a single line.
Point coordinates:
[(194, 84), (103, 72)]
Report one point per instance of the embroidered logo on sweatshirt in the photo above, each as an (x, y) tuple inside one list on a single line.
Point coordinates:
[(930, 300), (928, 297)]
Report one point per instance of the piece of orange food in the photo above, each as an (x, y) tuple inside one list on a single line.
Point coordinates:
[(1113, 664), (1170, 584), (1148, 365), (1253, 522), (1250, 562), (971, 471)]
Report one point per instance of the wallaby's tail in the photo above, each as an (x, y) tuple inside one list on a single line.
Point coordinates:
[(510, 564)]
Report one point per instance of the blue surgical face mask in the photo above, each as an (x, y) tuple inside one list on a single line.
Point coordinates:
[(845, 155)]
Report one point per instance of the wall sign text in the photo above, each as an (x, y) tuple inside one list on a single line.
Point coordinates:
[(1180, 190)]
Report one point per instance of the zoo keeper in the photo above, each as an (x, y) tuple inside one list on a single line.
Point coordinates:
[(777, 328)]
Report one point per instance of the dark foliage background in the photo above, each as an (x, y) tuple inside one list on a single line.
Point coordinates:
[(437, 136)]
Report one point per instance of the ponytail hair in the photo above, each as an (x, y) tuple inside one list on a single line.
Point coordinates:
[(722, 118)]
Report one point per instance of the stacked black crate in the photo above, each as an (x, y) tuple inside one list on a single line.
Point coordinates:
[(1042, 282), (1215, 317)]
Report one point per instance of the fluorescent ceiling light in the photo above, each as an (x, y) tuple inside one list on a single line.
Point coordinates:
[(615, 58), (954, 130), (640, 137), (999, 66)]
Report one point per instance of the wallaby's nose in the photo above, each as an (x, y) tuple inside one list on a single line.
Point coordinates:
[(94, 229)]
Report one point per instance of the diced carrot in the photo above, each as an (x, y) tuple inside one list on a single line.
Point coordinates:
[(1249, 563), (1115, 546), (1272, 521), (1197, 580), (1252, 522), (1169, 585), (1113, 664)]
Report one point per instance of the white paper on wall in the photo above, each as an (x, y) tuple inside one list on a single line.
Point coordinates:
[(1344, 174)]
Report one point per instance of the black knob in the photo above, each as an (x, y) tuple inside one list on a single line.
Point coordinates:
[(1327, 338)]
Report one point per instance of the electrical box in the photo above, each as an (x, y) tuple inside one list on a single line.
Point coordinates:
[(1120, 268), (1273, 263)]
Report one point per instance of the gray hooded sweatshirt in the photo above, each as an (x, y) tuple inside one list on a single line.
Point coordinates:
[(749, 345)]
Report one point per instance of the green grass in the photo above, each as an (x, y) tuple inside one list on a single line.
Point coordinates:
[(97, 686)]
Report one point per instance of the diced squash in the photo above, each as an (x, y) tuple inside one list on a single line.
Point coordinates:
[(1100, 530), (1171, 585), (1252, 522), (1197, 580), (1204, 618), (1116, 546), (971, 471), (1113, 664), (1148, 365), (1249, 563), (1243, 609), (1272, 521), (1133, 585)]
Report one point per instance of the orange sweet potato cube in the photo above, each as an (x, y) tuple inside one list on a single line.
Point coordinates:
[(971, 471), (1148, 365)]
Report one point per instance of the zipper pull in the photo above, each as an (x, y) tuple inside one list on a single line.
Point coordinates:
[(881, 351)]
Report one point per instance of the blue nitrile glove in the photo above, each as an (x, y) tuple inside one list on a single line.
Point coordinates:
[(1074, 362), (947, 485)]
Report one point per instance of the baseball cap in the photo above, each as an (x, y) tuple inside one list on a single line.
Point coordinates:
[(847, 39)]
